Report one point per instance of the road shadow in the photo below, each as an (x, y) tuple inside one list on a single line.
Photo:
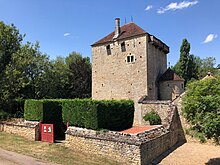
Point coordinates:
[(213, 161), (166, 153)]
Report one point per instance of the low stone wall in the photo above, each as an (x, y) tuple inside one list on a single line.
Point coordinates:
[(137, 149), (119, 146), (25, 129)]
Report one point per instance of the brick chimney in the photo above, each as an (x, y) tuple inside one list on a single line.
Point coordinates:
[(117, 28)]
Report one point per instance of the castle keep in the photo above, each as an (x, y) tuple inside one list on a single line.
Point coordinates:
[(128, 64)]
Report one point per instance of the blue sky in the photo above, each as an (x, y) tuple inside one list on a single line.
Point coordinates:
[(63, 26)]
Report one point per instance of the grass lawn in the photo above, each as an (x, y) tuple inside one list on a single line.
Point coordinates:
[(52, 152)]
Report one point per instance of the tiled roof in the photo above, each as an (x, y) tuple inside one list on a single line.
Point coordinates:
[(170, 75), (126, 31)]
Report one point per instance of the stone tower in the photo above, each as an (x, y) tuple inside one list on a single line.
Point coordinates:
[(127, 63)]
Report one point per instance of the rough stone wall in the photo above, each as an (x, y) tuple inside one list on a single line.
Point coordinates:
[(119, 146), (157, 65), (161, 107), (26, 129), (170, 90), (138, 149), (113, 77), (118, 151)]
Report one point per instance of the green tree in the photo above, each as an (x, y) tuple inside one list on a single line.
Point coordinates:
[(58, 78), (10, 42), (181, 68), (79, 76), (192, 68), (24, 76), (201, 107), (207, 65)]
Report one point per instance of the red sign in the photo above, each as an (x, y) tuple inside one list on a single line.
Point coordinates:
[(47, 133)]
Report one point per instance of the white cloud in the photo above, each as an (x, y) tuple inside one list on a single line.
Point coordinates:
[(210, 38), (66, 34), (176, 6), (148, 7)]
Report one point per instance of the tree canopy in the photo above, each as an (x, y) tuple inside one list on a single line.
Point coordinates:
[(10, 42), (191, 67), (25, 72)]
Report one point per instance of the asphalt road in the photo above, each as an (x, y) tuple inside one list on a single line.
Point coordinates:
[(12, 158)]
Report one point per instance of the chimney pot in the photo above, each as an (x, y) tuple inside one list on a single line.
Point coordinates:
[(117, 28)]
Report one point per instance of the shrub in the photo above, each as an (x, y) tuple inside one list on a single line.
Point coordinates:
[(201, 107), (153, 118), (112, 115), (4, 115), (46, 111)]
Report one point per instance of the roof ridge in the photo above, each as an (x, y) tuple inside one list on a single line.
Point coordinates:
[(127, 30)]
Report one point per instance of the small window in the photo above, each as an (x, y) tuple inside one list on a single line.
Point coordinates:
[(182, 86), (130, 59), (123, 48), (108, 50)]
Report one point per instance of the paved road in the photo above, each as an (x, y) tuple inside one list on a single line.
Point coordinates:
[(12, 158)]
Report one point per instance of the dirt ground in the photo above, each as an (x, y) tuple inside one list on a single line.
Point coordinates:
[(193, 153)]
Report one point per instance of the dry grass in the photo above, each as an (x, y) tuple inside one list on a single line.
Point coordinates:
[(53, 152)]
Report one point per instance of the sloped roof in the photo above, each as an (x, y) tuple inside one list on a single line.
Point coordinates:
[(126, 31), (170, 75), (208, 76)]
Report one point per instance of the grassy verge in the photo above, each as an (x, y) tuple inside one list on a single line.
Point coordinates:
[(53, 152)]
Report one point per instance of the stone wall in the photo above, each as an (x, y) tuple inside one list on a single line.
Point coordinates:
[(137, 149), (170, 90), (25, 129), (113, 77), (161, 107), (156, 66)]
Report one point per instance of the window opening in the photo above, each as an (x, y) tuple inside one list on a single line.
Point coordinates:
[(130, 59), (123, 48), (108, 50)]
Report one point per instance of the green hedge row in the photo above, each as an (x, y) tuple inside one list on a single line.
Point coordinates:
[(93, 114), (46, 111)]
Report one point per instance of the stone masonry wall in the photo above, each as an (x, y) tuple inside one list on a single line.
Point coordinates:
[(156, 66), (119, 146), (113, 77), (24, 129), (161, 107), (137, 149), (170, 90)]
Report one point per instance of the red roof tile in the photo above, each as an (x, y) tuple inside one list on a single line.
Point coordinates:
[(126, 31), (170, 75), (139, 129)]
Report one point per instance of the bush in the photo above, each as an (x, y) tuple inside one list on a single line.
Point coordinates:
[(4, 115), (87, 113), (153, 118), (46, 111), (201, 107), (112, 115)]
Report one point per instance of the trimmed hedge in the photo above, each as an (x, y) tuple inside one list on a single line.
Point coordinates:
[(112, 115), (46, 111), (92, 114)]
